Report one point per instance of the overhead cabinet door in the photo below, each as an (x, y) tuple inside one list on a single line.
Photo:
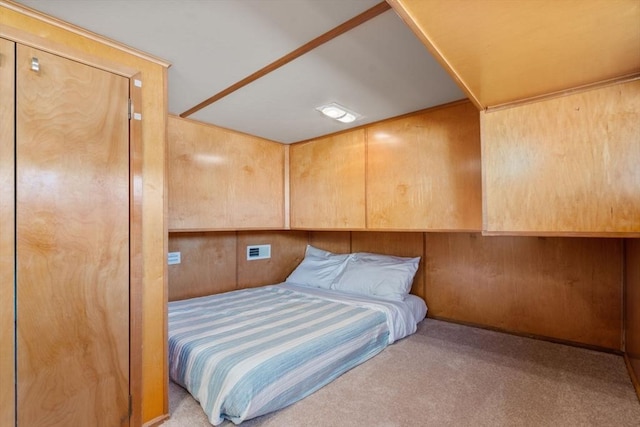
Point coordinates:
[(72, 246), (328, 182)]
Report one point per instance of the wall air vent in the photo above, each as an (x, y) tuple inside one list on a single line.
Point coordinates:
[(258, 252)]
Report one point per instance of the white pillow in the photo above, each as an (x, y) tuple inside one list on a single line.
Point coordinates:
[(382, 276), (319, 268)]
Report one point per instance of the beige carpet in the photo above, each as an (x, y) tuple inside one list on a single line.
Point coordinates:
[(453, 375)]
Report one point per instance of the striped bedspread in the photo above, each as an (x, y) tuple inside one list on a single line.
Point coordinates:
[(246, 353)]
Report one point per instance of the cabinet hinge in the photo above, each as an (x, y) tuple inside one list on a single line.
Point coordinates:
[(132, 114)]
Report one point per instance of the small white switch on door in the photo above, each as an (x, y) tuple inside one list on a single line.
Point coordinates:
[(173, 258)]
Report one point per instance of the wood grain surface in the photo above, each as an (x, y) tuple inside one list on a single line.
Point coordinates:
[(328, 182), (72, 197), (565, 165), (7, 233), (423, 171), (287, 250), (221, 179), (564, 288), (338, 242), (55, 36), (502, 52), (208, 264)]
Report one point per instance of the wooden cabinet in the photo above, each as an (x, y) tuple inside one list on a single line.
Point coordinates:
[(420, 172), (70, 156), (147, 78), (220, 179), (327, 182), (423, 171), (568, 165)]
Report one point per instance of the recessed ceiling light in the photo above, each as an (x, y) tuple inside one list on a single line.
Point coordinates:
[(338, 112)]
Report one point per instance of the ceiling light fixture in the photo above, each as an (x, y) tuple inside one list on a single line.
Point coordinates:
[(338, 112)]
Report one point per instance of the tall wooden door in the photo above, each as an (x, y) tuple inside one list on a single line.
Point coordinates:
[(72, 243)]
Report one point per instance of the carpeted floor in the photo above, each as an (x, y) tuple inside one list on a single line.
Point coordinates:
[(453, 375)]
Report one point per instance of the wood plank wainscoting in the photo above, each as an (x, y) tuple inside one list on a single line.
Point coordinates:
[(564, 289)]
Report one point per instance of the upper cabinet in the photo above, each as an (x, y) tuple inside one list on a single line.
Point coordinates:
[(220, 179), (502, 52), (423, 171), (568, 165), (327, 178), (419, 172)]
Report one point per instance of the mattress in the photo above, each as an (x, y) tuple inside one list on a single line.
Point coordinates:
[(246, 353)]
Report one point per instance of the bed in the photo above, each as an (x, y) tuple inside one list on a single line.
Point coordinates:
[(245, 353)]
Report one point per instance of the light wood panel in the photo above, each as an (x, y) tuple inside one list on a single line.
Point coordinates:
[(328, 182), (423, 171), (338, 242), (632, 307), (287, 250), (72, 210), (502, 52), (398, 244), (7, 233), (215, 262), (208, 264), (566, 165), (564, 288), (220, 179), (39, 30)]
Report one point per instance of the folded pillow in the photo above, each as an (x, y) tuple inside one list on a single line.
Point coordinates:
[(382, 276), (319, 268)]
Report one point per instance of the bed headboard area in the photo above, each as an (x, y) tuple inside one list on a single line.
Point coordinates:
[(567, 289), (214, 262)]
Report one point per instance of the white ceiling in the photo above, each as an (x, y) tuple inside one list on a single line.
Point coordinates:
[(378, 69)]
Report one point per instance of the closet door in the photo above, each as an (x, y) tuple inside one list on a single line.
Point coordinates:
[(72, 221)]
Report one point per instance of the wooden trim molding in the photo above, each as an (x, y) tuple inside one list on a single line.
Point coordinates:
[(136, 270), (411, 22), (632, 375)]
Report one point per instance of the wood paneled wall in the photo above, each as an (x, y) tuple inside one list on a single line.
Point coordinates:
[(208, 264), (632, 309), (564, 288), (327, 182), (423, 171), (567, 165), (569, 289), (217, 262), (287, 250), (221, 179), (417, 172)]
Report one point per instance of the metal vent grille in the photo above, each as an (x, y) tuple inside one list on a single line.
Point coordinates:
[(258, 252)]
